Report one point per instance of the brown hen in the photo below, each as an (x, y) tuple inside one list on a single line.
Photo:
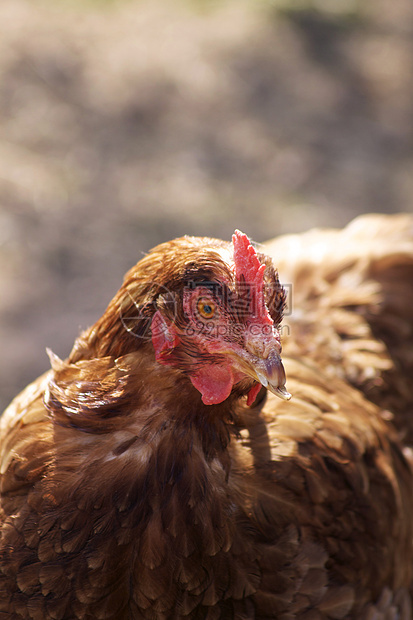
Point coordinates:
[(154, 475)]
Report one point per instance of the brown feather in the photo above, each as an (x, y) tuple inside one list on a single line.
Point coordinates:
[(123, 496)]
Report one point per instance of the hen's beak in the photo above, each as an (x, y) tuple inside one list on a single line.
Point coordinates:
[(264, 366), (271, 374)]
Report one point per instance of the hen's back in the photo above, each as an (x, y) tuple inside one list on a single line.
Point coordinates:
[(327, 474), (351, 307)]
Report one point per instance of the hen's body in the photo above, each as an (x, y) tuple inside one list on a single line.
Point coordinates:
[(124, 496)]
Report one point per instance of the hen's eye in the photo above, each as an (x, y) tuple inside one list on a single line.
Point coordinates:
[(206, 308)]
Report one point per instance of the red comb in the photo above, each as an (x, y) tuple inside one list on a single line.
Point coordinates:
[(250, 270)]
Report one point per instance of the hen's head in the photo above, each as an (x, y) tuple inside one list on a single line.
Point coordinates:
[(211, 310)]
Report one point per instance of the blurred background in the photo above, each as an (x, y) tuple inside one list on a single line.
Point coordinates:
[(124, 123)]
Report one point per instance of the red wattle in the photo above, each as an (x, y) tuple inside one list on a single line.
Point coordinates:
[(253, 393), (214, 383)]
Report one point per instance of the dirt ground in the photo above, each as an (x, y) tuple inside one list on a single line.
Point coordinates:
[(123, 124)]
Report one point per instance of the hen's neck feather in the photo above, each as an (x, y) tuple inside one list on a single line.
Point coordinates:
[(166, 501), (135, 393)]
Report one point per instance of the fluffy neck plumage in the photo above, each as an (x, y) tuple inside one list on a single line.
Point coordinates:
[(166, 501)]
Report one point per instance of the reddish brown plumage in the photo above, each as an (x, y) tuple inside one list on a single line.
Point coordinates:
[(125, 496)]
